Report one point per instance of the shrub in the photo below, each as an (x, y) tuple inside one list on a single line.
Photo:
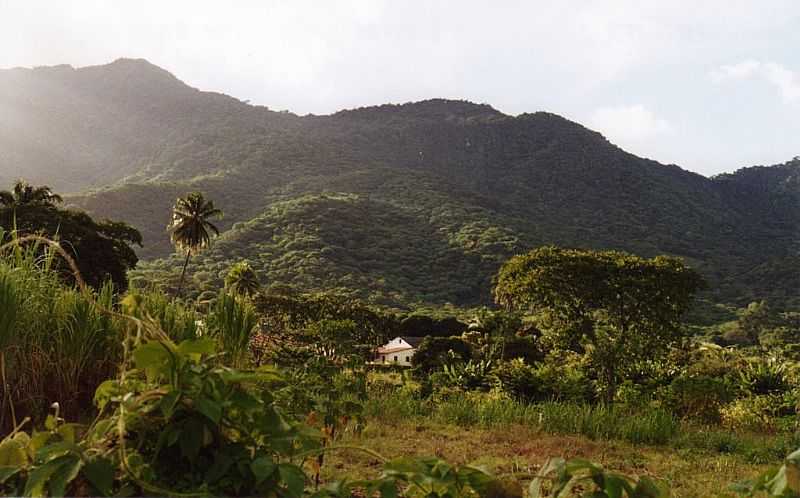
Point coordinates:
[(544, 382), (468, 376), (764, 376), (519, 380), (699, 396), (754, 413), (526, 348), (435, 352), (232, 322)]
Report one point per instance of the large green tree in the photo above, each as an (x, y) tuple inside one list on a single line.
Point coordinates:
[(102, 250), (620, 309), (191, 229)]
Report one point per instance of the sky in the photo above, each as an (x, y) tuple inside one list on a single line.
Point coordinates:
[(710, 85)]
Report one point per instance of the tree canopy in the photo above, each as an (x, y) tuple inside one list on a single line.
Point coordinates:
[(102, 250), (619, 308), (191, 229), (25, 194)]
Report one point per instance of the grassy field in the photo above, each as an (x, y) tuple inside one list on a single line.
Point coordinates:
[(521, 450)]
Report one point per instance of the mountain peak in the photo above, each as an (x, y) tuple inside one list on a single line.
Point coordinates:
[(435, 109)]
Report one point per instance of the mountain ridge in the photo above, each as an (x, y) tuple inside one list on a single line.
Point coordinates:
[(476, 177)]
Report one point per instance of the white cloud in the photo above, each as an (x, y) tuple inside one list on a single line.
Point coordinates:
[(786, 81), (744, 69), (628, 124)]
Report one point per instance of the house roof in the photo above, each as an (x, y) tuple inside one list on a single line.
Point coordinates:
[(412, 340)]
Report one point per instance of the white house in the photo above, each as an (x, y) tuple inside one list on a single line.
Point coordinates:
[(398, 351)]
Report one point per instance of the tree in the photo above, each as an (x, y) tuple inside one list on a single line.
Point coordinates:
[(242, 280), (755, 320), (618, 308), (433, 352), (25, 194), (102, 250), (191, 229)]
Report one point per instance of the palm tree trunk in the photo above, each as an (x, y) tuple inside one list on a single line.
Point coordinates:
[(183, 273)]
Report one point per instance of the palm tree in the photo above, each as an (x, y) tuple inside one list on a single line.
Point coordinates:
[(190, 230), (242, 280), (25, 194)]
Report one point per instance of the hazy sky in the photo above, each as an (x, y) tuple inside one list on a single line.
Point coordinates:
[(712, 85)]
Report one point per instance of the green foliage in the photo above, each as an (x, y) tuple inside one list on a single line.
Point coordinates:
[(286, 312), (191, 229), (241, 279), (232, 322), (470, 176), (700, 396), (57, 344), (180, 321), (765, 376), (102, 250), (783, 481), (474, 374), (621, 309), (435, 352), (25, 194), (580, 478), (543, 382)]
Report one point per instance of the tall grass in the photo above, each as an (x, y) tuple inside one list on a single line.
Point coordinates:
[(232, 321), (638, 426), (180, 321), (57, 344)]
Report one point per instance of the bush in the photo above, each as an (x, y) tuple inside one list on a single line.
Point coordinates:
[(526, 348), (755, 413), (434, 352), (764, 376), (700, 396), (544, 382), (519, 380)]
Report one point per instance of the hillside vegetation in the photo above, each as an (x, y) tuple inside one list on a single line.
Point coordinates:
[(401, 204)]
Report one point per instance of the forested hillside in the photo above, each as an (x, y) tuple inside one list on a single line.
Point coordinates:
[(401, 204)]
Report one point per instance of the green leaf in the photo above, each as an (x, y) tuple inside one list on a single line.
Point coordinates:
[(68, 431), (65, 474), (12, 454), (294, 479), (646, 488), (388, 488), (191, 439), (105, 392), (168, 403), (262, 468), (154, 358), (100, 473), (7, 472), (209, 408), (195, 348), (266, 373), (50, 422), (219, 468), (38, 477), (55, 450)]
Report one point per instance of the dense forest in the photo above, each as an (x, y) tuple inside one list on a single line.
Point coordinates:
[(413, 193)]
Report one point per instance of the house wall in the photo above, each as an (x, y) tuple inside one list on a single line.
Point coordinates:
[(402, 358)]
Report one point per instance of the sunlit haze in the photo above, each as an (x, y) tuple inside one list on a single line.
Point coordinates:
[(711, 86)]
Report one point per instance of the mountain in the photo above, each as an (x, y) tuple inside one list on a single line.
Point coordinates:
[(413, 204)]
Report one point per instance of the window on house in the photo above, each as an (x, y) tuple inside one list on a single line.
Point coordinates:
[(395, 359)]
